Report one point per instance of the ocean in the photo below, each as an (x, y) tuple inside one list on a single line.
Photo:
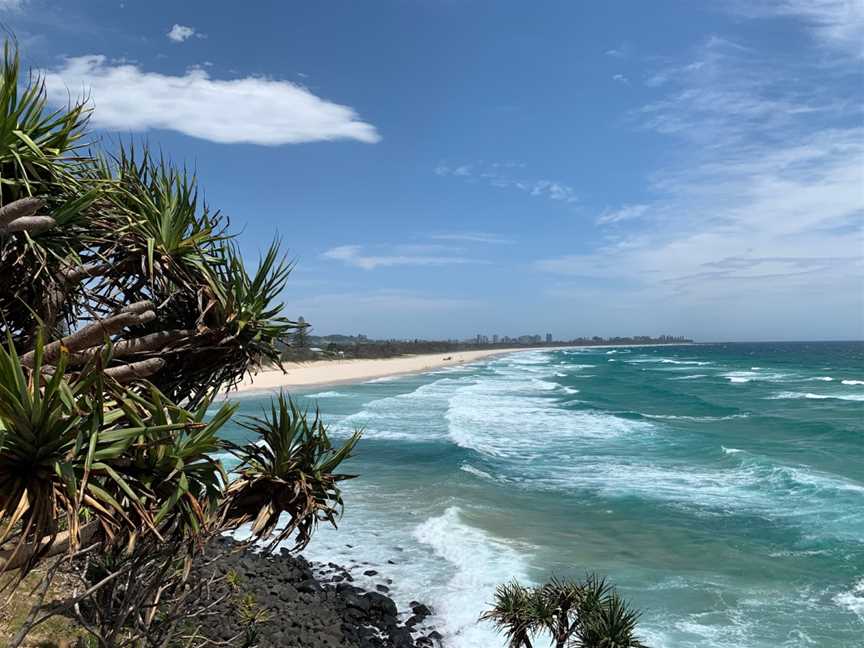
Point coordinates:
[(720, 487)]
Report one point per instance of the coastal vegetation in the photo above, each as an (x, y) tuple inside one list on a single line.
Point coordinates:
[(571, 614), (125, 308)]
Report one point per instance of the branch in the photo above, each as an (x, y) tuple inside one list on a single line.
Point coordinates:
[(135, 370), (146, 343), (29, 224), (15, 558), (94, 333), (19, 209)]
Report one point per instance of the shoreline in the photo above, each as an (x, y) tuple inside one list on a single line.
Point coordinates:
[(323, 373)]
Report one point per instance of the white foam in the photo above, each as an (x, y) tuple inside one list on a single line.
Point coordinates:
[(822, 378), (795, 395), (747, 376), (690, 377), (731, 451), (412, 416), (382, 379), (681, 417), (852, 382), (478, 563), (700, 363), (326, 394), (853, 600)]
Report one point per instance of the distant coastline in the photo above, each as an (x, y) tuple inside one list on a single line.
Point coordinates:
[(340, 371)]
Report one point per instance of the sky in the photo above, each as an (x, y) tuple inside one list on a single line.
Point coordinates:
[(442, 168)]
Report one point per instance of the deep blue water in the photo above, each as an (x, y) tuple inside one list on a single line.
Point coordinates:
[(720, 486)]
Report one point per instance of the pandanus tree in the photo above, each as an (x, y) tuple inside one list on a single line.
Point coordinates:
[(125, 309), (568, 614)]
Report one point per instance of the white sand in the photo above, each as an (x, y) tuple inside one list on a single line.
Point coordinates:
[(335, 372), (332, 372)]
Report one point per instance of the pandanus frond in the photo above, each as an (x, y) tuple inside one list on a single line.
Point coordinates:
[(38, 147), (576, 614), (290, 471), (81, 450), (513, 614)]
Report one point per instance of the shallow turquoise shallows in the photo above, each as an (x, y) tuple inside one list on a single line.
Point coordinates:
[(721, 487)]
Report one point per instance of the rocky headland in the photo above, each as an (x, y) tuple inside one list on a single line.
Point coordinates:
[(311, 605)]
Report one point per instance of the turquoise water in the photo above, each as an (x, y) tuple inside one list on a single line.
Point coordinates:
[(720, 486)]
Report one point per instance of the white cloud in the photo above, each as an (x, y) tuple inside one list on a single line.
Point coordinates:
[(472, 237), (625, 213), (501, 175), (256, 110), (180, 33), (620, 52), (404, 255), (837, 23), (11, 5), (758, 217), (620, 78)]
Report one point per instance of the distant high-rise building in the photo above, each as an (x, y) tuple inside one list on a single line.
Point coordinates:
[(494, 339), (548, 338)]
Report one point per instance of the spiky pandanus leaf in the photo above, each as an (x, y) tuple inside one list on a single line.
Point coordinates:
[(85, 451), (289, 471), (40, 155), (513, 613), (571, 614)]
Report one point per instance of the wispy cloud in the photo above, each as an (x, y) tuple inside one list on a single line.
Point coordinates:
[(763, 204), (472, 237), (625, 213), (181, 33), (506, 175), (11, 5), (622, 51), (836, 23), (620, 78), (256, 110), (358, 256)]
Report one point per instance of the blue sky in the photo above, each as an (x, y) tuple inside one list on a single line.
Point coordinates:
[(441, 168)]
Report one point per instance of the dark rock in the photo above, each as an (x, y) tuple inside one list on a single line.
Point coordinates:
[(310, 605)]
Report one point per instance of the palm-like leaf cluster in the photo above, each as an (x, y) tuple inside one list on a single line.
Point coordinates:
[(86, 453), (290, 472), (125, 308), (586, 614), (94, 233)]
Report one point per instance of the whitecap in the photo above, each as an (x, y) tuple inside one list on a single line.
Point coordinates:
[(478, 564), (853, 600), (796, 395), (326, 394), (747, 376), (822, 378), (690, 377), (853, 382), (683, 417)]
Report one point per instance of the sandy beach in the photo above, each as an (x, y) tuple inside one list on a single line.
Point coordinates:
[(334, 372)]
